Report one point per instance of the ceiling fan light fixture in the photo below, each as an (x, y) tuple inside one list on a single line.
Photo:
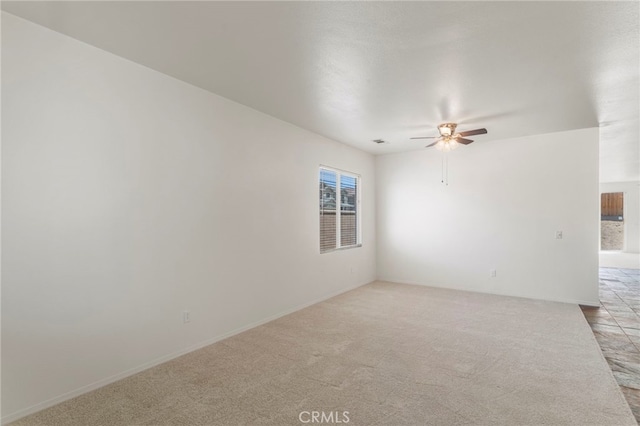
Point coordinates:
[(446, 145)]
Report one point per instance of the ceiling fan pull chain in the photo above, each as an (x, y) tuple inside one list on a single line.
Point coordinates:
[(444, 170), (446, 161)]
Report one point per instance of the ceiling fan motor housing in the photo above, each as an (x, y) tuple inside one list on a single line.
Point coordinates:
[(447, 129)]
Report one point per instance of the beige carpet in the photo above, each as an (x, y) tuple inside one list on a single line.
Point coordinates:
[(388, 354)]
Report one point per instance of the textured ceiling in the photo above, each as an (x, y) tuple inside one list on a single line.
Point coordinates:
[(357, 71)]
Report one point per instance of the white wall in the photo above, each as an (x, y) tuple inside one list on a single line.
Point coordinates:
[(128, 197), (501, 210)]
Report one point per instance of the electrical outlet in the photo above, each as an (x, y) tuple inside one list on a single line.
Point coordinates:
[(558, 235), (492, 273), (186, 316)]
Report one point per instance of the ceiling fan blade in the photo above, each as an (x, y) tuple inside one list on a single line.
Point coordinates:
[(431, 144), (426, 137), (473, 132), (463, 141)]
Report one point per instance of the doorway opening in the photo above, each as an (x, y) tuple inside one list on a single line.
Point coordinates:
[(612, 221)]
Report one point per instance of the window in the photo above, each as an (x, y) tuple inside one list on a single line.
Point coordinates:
[(612, 221), (339, 209)]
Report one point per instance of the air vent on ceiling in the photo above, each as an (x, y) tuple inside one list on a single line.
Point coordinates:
[(378, 141)]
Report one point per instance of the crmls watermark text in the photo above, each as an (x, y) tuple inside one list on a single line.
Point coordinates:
[(333, 417)]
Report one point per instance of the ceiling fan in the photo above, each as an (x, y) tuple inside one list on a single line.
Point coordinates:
[(449, 139)]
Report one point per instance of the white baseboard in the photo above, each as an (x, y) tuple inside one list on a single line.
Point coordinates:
[(114, 378), (558, 300)]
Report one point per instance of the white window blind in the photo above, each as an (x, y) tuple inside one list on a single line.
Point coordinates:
[(339, 209)]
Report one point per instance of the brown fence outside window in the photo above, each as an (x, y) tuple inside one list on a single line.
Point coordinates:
[(611, 206)]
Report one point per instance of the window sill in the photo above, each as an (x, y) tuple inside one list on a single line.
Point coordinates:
[(341, 249)]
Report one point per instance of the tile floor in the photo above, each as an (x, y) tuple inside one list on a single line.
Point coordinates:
[(616, 325)]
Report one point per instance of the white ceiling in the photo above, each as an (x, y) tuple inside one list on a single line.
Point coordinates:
[(357, 71)]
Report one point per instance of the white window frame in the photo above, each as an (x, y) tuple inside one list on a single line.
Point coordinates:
[(339, 173)]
